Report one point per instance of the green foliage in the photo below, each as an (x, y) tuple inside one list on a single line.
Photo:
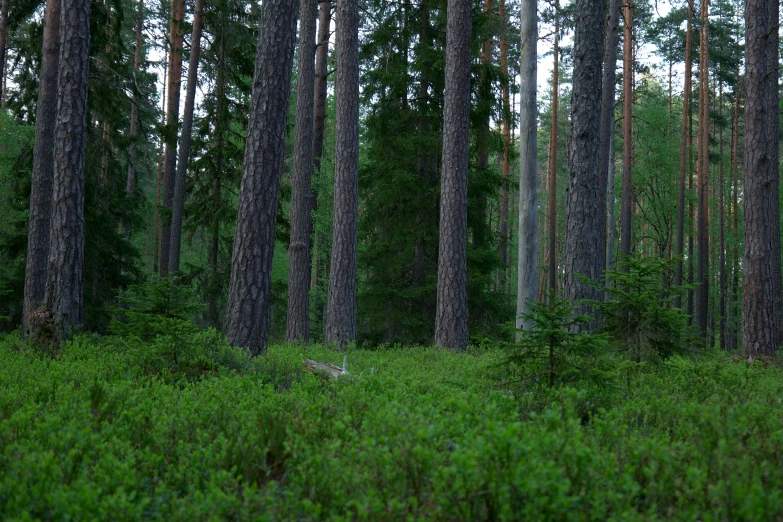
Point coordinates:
[(556, 347)]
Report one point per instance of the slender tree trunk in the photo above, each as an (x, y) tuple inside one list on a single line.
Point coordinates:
[(484, 109), (172, 123), (451, 318), (691, 257), (585, 229), (298, 314), (159, 181), (722, 217), (762, 300), (130, 185), (553, 154), (178, 204), (527, 270), (3, 46), (43, 168), (735, 321), (626, 203), (65, 273), (220, 129), (249, 294), (610, 197), (425, 42), (686, 101), (702, 171), (506, 147)]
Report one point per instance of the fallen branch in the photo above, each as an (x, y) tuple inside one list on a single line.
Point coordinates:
[(326, 370)]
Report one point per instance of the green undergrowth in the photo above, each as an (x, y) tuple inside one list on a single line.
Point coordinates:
[(118, 428)]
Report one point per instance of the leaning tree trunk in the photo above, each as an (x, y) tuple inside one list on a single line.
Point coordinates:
[(527, 275), (762, 306), (703, 175), (341, 302), (626, 198), (130, 183), (43, 168), (172, 119), (585, 237), (298, 313), (65, 273), (451, 317), (250, 288), (178, 204)]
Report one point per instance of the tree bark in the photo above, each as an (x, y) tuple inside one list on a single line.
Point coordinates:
[(585, 230), (703, 176), (130, 185), (553, 154), (341, 302), (505, 167), (626, 201), (159, 179), (298, 314), (178, 204), (762, 306), (39, 226), (65, 272), (686, 101), (527, 274), (172, 123), (249, 295), (722, 238), (451, 317)]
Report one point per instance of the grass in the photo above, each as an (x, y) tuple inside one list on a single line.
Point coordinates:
[(98, 431)]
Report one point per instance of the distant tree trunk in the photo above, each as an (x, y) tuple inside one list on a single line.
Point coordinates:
[(172, 119), (43, 168), (3, 45), (735, 322), (485, 99), (691, 257), (762, 300), (605, 162), (506, 146), (722, 217), (341, 303), (159, 181), (610, 233), (703, 174), (65, 273), (298, 316), (180, 179), (249, 294), (585, 231), (425, 42), (527, 274), (130, 185), (626, 201), (686, 101), (553, 154), (451, 317)]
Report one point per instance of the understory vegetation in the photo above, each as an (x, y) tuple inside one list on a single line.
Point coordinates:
[(180, 426)]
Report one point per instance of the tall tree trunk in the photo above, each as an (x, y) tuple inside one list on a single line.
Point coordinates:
[(702, 172), (65, 272), (722, 217), (626, 202), (527, 273), (451, 317), (611, 42), (298, 316), (130, 184), (735, 321), (762, 300), (686, 102), (172, 123), (484, 108), (250, 289), (3, 45), (610, 174), (178, 204), (159, 181), (553, 154), (425, 42), (504, 170), (585, 230), (43, 168)]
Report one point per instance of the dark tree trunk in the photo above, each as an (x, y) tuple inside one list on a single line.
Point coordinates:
[(249, 295), (735, 321), (505, 166), (686, 101), (298, 316), (425, 43), (341, 302), (703, 175), (611, 43), (43, 168), (159, 179), (553, 155), (3, 45), (172, 123), (130, 185), (178, 204), (585, 230), (762, 300), (65, 273), (626, 199), (451, 318), (484, 103), (722, 239)]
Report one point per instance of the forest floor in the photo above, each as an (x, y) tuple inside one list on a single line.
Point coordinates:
[(117, 429)]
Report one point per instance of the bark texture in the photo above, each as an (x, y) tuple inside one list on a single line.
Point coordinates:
[(703, 179), (249, 294), (762, 306), (585, 237), (527, 280), (298, 313), (451, 318), (43, 168), (65, 273), (686, 103), (178, 204), (341, 302)]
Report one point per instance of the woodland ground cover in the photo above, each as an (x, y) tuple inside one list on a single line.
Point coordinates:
[(116, 428)]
